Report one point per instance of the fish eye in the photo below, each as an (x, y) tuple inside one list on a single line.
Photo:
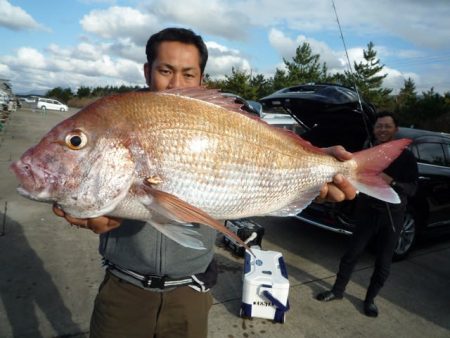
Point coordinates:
[(76, 140)]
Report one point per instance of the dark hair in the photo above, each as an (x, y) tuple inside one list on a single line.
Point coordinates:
[(180, 35), (385, 113)]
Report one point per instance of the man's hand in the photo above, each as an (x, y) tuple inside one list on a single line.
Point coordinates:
[(99, 225), (340, 189)]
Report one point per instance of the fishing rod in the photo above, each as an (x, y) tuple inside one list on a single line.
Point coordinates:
[(364, 117), (350, 70)]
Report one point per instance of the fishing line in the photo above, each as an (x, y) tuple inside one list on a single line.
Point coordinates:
[(350, 70), (364, 117)]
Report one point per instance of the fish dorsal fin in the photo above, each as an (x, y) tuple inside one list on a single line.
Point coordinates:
[(212, 96)]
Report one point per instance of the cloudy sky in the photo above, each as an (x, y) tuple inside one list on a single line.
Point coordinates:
[(72, 43)]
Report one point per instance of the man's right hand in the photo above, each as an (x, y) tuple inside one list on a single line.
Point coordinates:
[(99, 225), (340, 189)]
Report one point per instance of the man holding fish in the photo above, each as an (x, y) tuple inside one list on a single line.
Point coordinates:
[(154, 286)]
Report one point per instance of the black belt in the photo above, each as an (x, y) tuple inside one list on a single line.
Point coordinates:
[(151, 281)]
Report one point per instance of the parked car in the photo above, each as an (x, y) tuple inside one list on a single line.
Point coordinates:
[(27, 99), (428, 211), (44, 104), (332, 114), (282, 120)]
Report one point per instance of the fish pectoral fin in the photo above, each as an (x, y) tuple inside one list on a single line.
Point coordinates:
[(299, 204), (183, 234), (177, 210)]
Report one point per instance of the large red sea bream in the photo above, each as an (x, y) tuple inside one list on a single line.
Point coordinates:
[(186, 156)]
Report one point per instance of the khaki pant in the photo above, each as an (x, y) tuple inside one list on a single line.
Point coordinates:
[(123, 310)]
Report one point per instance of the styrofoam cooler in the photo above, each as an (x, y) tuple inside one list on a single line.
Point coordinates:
[(266, 286)]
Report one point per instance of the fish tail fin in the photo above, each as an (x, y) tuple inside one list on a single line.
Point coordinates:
[(370, 163)]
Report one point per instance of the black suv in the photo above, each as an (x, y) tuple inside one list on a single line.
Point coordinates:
[(328, 121)]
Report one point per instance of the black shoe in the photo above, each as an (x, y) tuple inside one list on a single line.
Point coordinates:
[(327, 296), (370, 309)]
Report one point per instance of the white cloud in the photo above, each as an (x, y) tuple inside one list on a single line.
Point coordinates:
[(213, 17), (15, 18), (396, 79), (305, 15), (71, 67), (222, 65), (128, 49), (5, 71), (120, 22), (217, 18), (222, 60), (284, 45), (88, 51), (30, 58), (215, 49), (423, 23), (416, 21)]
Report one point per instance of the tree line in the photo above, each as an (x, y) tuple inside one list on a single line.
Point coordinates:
[(427, 110)]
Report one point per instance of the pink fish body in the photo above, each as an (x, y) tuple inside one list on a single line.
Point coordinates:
[(185, 156)]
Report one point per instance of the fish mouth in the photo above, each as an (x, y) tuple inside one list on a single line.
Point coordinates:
[(34, 181)]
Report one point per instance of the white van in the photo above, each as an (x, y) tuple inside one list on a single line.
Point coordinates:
[(44, 104)]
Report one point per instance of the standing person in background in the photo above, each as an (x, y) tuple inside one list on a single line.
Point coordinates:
[(377, 218), (154, 287)]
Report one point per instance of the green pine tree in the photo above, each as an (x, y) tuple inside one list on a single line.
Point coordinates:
[(405, 103), (305, 67), (368, 78)]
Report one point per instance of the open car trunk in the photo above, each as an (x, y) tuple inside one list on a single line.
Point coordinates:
[(330, 114)]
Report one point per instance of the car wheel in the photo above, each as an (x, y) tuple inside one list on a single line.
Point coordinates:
[(407, 237), (44, 108), (62, 109)]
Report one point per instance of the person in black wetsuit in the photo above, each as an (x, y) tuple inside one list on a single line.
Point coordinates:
[(378, 218)]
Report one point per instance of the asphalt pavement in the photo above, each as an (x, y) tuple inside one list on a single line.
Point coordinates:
[(50, 271)]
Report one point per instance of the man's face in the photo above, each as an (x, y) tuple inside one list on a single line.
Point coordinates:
[(177, 65), (384, 129)]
